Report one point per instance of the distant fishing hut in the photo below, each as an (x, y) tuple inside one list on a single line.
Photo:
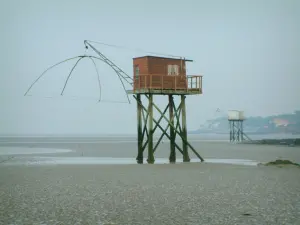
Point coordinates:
[(236, 119)]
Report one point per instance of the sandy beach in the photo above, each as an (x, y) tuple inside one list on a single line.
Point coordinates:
[(72, 190)]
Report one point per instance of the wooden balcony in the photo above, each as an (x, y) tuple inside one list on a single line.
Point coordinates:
[(162, 84)]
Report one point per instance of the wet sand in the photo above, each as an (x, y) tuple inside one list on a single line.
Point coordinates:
[(189, 193)]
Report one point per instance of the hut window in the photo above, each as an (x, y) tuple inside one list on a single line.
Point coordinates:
[(169, 69), (176, 69), (137, 72), (173, 70)]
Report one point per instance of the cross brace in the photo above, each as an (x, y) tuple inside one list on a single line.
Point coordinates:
[(146, 129)]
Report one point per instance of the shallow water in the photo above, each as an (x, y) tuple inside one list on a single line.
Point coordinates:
[(27, 150), (113, 151), (111, 161), (42, 160)]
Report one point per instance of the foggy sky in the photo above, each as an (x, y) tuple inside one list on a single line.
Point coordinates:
[(247, 51)]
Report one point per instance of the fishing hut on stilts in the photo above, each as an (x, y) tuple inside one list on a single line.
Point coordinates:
[(236, 129), (159, 76)]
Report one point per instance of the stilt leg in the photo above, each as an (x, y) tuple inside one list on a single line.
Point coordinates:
[(186, 157), (242, 131), (150, 159), (172, 157), (139, 130)]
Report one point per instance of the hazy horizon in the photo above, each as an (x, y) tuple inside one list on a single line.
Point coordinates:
[(247, 51)]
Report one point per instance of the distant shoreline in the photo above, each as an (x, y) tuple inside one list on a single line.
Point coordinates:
[(131, 134), (288, 141), (201, 135), (246, 132)]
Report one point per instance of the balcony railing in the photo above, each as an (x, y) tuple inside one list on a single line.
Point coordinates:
[(163, 82), (194, 82)]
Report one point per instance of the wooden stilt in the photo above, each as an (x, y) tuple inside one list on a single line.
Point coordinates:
[(150, 159), (172, 157), (186, 157), (139, 130)]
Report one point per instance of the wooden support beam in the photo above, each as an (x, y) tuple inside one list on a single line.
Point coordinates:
[(242, 132), (145, 130), (168, 136), (183, 139), (186, 157), (172, 157), (150, 159), (175, 129), (161, 117), (139, 130), (236, 131), (158, 142), (233, 131), (145, 145), (146, 142), (162, 129), (177, 114), (165, 130), (229, 130)]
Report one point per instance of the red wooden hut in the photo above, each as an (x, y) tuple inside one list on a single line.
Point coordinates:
[(151, 72)]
